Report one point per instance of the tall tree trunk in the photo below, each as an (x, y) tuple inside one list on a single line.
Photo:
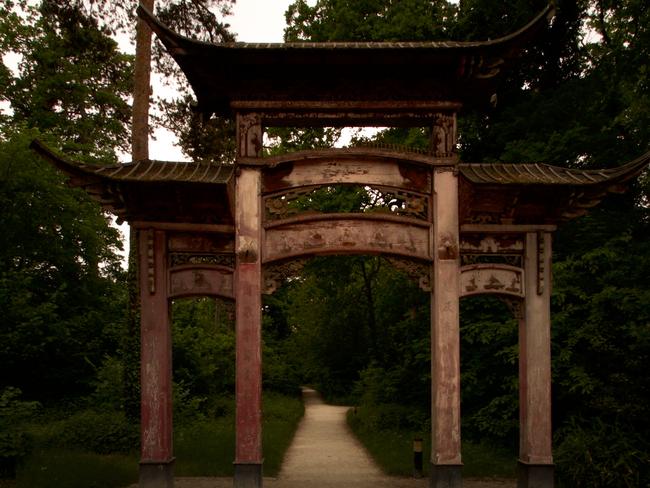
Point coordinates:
[(141, 88), (139, 151)]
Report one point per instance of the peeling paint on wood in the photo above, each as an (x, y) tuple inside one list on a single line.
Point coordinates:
[(346, 236)]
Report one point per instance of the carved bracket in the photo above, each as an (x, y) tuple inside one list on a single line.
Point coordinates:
[(491, 279), (249, 135), (274, 274), (516, 306), (418, 271), (443, 136)]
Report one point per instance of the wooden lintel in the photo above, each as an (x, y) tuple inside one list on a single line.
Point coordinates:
[(184, 226), (507, 228)]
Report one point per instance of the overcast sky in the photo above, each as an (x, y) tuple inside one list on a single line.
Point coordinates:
[(252, 21)]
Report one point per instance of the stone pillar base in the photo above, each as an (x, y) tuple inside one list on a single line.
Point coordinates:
[(248, 475), (535, 475), (156, 474), (446, 476)]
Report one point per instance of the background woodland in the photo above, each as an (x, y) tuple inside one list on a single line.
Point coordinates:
[(354, 327)]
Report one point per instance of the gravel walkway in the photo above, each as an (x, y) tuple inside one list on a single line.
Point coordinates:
[(325, 454)]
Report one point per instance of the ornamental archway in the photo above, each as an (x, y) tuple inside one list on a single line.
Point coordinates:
[(229, 230)]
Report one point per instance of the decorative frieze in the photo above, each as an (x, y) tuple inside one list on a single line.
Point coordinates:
[(405, 203), (183, 259)]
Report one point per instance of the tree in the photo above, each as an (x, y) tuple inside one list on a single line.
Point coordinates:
[(60, 294)]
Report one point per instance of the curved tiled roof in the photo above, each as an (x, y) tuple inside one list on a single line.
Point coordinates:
[(546, 174), (176, 42), (463, 72), (145, 171)]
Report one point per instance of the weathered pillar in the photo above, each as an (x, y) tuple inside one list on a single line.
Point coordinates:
[(156, 461), (535, 445), (445, 337), (248, 310)]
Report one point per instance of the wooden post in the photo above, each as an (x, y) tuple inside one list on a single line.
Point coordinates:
[(445, 339), (535, 443), (156, 461), (248, 311)]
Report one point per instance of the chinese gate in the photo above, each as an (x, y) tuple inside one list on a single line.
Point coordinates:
[(232, 231)]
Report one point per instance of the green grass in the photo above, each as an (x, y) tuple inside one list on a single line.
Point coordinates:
[(206, 448), (203, 447), (392, 449), (69, 469)]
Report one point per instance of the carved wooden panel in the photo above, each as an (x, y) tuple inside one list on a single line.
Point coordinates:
[(342, 171), (346, 236), (185, 258), (394, 201), (492, 244), (491, 279), (200, 281)]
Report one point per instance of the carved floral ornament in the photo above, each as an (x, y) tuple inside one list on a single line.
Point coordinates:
[(390, 200)]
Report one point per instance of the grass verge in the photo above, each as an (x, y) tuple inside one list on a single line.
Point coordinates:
[(203, 447), (392, 450), (73, 469)]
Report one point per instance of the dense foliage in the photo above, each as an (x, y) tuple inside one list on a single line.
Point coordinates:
[(355, 327)]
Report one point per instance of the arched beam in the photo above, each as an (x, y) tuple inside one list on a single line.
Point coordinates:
[(347, 234), (188, 281), (491, 279), (347, 166)]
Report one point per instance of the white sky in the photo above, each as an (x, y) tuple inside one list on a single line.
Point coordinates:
[(252, 21)]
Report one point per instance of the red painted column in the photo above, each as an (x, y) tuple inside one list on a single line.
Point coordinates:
[(248, 289), (535, 443), (156, 461), (445, 335)]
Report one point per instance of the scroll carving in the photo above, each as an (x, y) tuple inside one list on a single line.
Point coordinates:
[(390, 200), (443, 136), (418, 271), (275, 274)]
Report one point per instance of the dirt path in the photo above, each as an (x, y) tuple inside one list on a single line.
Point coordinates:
[(325, 454)]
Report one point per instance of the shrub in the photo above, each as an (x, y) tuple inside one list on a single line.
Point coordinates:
[(599, 455), (15, 444), (93, 431)]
